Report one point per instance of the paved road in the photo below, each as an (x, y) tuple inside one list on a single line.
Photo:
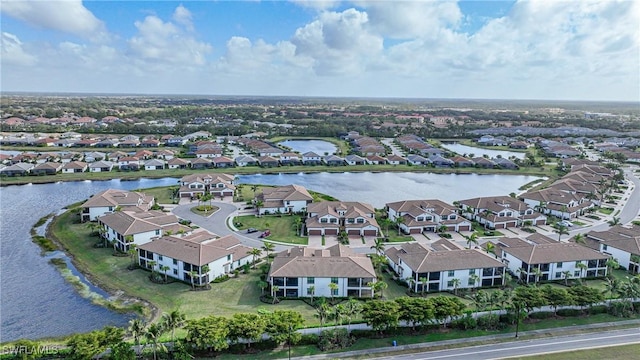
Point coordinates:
[(531, 347), (217, 223)]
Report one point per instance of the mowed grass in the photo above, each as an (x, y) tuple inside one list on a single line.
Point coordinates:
[(162, 195), (631, 351), (282, 227), (110, 272)]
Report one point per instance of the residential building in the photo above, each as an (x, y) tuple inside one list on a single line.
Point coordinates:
[(17, 169), (284, 199), (47, 168), (101, 166), (545, 259), (444, 266), (426, 216), (330, 217), (74, 167), (191, 254), (111, 199), (551, 201), (500, 212), (200, 184), (306, 272), (178, 163), (621, 243)]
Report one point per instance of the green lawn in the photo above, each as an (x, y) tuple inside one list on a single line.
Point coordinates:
[(606, 211), (162, 195), (204, 210), (110, 272), (282, 227)]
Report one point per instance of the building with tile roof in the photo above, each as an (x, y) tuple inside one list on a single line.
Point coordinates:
[(284, 199), (111, 199)]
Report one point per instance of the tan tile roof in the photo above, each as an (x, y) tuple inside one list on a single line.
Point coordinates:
[(495, 203), (421, 260), (284, 193), (553, 252), (196, 253), (113, 197), (620, 237), (336, 261)]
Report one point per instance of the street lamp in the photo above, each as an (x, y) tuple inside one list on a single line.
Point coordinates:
[(517, 318), (289, 342)]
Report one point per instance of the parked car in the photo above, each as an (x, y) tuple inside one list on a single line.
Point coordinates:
[(251, 230), (565, 223), (265, 234)]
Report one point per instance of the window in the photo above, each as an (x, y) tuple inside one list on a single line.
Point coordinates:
[(471, 282), (158, 232), (175, 271), (360, 221), (450, 283), (576, 273), (559, 265), (310, 291), (604, 247), (334, 280), (558, 275), (334, 292), (311, 280), (451, 273), (175, 262), (159, 257), (323, 220), (228, 257), (334, 220), (472, 271), (420, 218)]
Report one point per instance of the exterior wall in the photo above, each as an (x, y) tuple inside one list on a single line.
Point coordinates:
[(622, 256), (94, 212), (555, 269), (321, 287)]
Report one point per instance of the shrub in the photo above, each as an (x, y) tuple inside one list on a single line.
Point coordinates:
[(221, 278), (335, 339), (488, 322), (465, 323), (541, 315), (569, 312), (619, 309), (309, 339), (599, 309)]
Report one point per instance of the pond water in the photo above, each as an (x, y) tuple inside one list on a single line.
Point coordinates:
[(37, 302), (319, 147), (476, 151)]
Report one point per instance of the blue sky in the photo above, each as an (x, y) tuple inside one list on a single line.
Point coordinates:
[(582, 50)]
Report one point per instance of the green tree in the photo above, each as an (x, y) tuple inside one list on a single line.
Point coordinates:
[(312, 292), (530, 297), (381, 315), (137, 328), (333, 288), (414, 310), (614, 221), (153, 334), (584, 296), (378, 287), (556, 297), (297, 223), (122, 351), (322, 313), (399, 221), (192, 276), (274, 293), (255, 252), (164, 269), (172, 321), (378, 246), (282, 326), (612, 286), (208, 333), (423, 282), (472, 240), (247, 326), (446, 308), (352, 309), (566, 274), (561, 230), (133, 252), (456, 285), (612, 264), (268, 248)]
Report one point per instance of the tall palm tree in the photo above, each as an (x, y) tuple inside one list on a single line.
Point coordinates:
[(339, 313), (132, 254), (490, 248), (475, 278), (255, 252), (611, 286), (583, 267), (192, 275), (258, 205), (137, 328), (612, 264), (399, 221), (472, 239), (172, 321), (423, 281), (615, 221), (254, 188), (312, 291), (579, 238), (333, 287), (204, 270), (378, 246), (456, 284), (561, 230), (565, 275), (322, 313), (352, 308), (297, 222), (274, 292), (153, 334), (268, 247), (164, 269), (152, 264), (537, 273)]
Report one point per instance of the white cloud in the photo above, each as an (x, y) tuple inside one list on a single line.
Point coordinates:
[(183, 17), (13, 52), (338, 43), (68, 16), (163, 42), (317, 4)]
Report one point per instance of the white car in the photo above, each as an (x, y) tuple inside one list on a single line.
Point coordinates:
[(565, 223)]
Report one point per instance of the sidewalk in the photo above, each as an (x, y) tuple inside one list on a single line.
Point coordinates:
[(462, 342)]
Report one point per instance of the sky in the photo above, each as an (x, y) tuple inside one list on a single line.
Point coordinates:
[(538, 49)]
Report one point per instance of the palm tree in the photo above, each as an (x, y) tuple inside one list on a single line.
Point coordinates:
[(456, 283), (423, 281), (612, 264), (442, 229), (565, 275), (192, 276), (537, 273), (132, 254), (268, 247), (352, 308), (322, 313), (399, 221), (263, 285), (254, 188), (164, 269), (137, 329), (204, 270), (490, 248), (311, 291), (612, 286), (475, 278), (472, 239), (297, 222), (411, 282), (378, 246), (583, 267), (338, 313), (153, 334), (255, 252), (172, 321), (561, 230), (333, 287), (152, 264), (274, 292), (579, 238), (93, 227), (386, 223), (259, 204), (615, 221)]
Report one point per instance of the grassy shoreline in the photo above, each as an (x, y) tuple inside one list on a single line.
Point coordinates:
[(178, 173)]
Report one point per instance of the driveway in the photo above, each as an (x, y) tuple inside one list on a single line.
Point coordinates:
[(217, 223)]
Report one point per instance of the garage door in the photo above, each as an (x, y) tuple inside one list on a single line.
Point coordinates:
[(370, 232), (464, 228), (331, 232), (353, 232), (414, 231), (315, 232), (540, 222), (185, 195), (499, 226)]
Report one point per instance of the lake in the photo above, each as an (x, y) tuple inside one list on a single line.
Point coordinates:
[(319, 147), (476, 151), (37, 302)]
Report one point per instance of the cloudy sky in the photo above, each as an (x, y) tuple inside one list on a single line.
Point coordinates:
[(580, 49)]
